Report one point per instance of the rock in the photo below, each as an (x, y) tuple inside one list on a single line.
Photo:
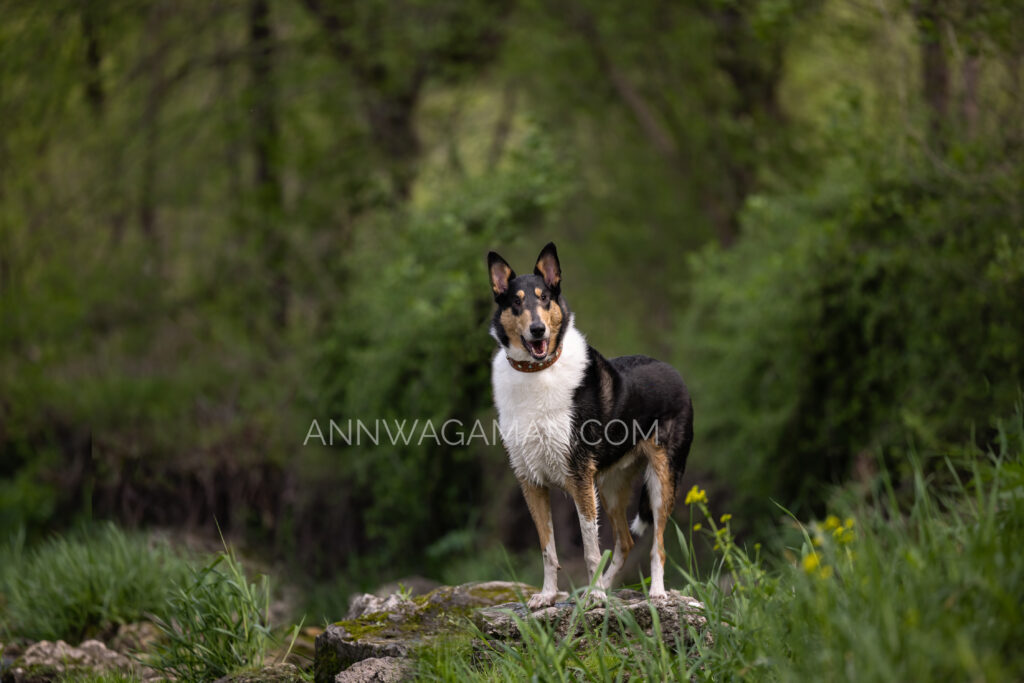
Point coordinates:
[(376, 670), (46, 660), (676, 613), (499, 622), (391, 626), (382, 631), (273, 673), (133, 638)]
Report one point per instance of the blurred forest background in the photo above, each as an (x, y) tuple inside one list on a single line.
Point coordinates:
[(220, 220)]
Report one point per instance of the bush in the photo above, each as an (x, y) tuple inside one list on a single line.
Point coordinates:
[(873, 305), (85, 584), (216, 623)]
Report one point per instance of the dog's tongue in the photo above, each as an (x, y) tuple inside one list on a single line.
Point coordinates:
[(539, 348)]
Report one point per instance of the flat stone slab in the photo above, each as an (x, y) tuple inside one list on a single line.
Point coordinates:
[(677, 614)]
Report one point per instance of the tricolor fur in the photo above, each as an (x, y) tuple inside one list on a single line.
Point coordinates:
[(571, 418)]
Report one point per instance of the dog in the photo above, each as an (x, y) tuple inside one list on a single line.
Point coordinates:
[(571, 418)]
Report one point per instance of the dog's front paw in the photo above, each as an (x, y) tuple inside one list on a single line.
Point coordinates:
[(656, 593), (596, 598), (538, 600)]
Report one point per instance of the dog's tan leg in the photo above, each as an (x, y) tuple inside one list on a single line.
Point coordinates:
[(581, 488), (538, 500), (614, 498), (661, 489)]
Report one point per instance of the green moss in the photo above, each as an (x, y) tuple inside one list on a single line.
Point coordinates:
[(367, 625), (494, 596)]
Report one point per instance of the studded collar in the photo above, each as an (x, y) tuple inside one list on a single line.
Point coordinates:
[(535, 365)]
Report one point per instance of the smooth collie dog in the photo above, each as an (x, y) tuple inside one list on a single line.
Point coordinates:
[(572, 418)]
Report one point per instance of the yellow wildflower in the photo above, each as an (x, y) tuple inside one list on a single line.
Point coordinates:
[(832, 522), (726, 517), (810, 562), (696, 495), (825, 572), (850, 521), (696, 527)]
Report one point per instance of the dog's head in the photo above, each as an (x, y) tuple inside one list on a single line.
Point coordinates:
[(532, 315)]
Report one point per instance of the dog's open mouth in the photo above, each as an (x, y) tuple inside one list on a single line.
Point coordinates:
[(538, 348)]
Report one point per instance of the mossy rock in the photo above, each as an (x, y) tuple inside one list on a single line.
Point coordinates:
[(395, 625), (53, 661)]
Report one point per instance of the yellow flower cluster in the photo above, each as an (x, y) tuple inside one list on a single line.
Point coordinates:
[(696, 495), (745, 570), (812, 565), (842, 532)]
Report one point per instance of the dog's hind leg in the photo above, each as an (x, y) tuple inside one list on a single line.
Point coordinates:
[(538, 500), (614, 498), (662, 492)]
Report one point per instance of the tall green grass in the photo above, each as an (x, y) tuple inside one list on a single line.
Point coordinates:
[(217, 623), (213, 620), (84, 584), (922, 581)]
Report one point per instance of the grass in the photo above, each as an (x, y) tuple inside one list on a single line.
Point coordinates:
[(919, 582), (214, 621), (85, 584), (218, 622)]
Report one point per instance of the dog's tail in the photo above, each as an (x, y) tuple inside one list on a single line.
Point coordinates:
[(644, 516)]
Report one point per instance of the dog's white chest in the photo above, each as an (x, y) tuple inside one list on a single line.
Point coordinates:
[(535, 412)]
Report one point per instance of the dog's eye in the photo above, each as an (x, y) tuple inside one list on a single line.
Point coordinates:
[(544, 297)]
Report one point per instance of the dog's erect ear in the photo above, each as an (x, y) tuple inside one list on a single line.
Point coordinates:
[(501, 273), (548, 267)]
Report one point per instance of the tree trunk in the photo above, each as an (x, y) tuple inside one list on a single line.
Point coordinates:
[(503, 127), (934, 69), (721, 210), (94, 93), (969, 104), (266, 152)]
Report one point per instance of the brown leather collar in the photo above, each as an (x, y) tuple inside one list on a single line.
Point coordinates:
[(534, 365)]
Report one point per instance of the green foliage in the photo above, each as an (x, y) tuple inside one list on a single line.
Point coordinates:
[(216, 623), (411, 345), (85, 584), (875, 302)]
